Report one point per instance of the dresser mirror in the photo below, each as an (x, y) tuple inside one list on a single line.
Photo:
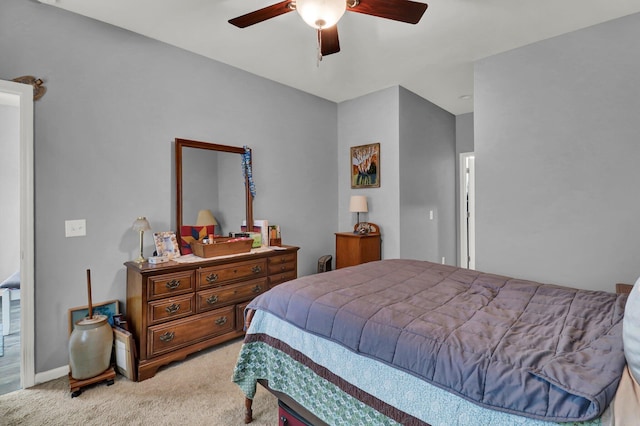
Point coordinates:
[(209, 177)]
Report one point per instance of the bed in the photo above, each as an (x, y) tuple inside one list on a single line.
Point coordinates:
[(418, 343)]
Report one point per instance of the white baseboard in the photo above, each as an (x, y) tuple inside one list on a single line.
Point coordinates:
[(51, 374)]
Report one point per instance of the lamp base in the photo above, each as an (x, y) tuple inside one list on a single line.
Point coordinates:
[(140, 258)]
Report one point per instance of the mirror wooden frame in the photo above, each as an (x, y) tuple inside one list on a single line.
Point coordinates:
[(186, 143)]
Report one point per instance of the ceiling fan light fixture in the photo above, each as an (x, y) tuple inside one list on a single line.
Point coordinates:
[(321, 14)]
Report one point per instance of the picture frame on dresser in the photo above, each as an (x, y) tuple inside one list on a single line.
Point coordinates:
[(166, 244), (109, 309)]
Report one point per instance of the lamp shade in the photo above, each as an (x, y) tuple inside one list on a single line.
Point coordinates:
[(321, 13), (358, 204), (205, 218), (141, 224)]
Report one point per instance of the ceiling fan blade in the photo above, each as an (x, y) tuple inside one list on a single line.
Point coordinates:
[(398, 10), (262, 14), (329, 40)]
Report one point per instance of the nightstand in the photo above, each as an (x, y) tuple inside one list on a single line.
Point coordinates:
[(623, 288), (355, 248)]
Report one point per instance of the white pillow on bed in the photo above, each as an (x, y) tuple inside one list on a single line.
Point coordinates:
[(631, 331)]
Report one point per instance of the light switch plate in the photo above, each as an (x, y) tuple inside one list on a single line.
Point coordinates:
[(75, 228)]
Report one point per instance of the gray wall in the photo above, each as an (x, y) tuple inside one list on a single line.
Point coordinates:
[(104, 151), (464, 133), (556, 143), (427, 180), (417, 149), (365, 120)]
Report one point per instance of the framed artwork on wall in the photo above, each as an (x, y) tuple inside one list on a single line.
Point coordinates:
[(365, 166)]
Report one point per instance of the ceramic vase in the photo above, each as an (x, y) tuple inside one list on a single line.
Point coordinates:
[(90, 347)]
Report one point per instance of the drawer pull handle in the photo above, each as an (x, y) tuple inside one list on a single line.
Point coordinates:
[(257, 288), (256, 269), (173, 284), (211, 278), (283, 259), (212, 299), (173, 308), (221, 321), (283, 268), (167, 336)]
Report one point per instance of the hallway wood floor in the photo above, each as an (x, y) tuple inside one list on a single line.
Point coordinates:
[(10, 362)]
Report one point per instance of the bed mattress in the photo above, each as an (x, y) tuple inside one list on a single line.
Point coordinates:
[(515, 346)]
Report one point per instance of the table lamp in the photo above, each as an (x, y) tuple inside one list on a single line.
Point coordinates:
[(140, 225), (357, 204), (205, 218)]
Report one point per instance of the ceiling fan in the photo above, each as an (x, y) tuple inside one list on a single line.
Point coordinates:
[(323, 15)]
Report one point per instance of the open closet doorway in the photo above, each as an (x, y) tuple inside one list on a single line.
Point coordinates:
[(16, 109), (467, 211)]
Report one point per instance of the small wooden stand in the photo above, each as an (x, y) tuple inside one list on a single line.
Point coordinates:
[(76, 385)]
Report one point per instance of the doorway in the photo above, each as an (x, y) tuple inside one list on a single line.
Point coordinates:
[(467, 211), (20, 96)]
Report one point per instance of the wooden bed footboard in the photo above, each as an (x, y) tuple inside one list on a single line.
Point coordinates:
[(248, 317), (248, 412)]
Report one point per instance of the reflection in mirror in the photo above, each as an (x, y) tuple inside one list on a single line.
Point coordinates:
[(209, 177), (212, 180)]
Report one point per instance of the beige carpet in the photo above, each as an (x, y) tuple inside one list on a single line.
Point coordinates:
[(197, 391)]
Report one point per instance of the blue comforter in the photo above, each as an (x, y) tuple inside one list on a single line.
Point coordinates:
[(517, 346)]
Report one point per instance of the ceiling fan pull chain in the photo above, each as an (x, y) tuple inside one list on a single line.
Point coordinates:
[(319, 47)]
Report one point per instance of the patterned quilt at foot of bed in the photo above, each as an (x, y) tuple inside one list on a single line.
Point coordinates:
[(342, 388)]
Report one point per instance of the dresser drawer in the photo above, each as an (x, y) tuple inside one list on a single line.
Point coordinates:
[(276, 279), (164, 338), (218, 275), (170, 308), (276, 261), (170, 284), (277, 268), (220, 296)]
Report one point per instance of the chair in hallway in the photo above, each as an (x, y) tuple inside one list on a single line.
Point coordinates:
[(9, 290)]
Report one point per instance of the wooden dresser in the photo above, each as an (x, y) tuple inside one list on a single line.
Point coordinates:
[(175, 309)]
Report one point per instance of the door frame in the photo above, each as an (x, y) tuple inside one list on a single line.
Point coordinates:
[(467, 218), (24, 93)]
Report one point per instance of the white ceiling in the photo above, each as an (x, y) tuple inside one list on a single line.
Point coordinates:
[(433, 59)]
